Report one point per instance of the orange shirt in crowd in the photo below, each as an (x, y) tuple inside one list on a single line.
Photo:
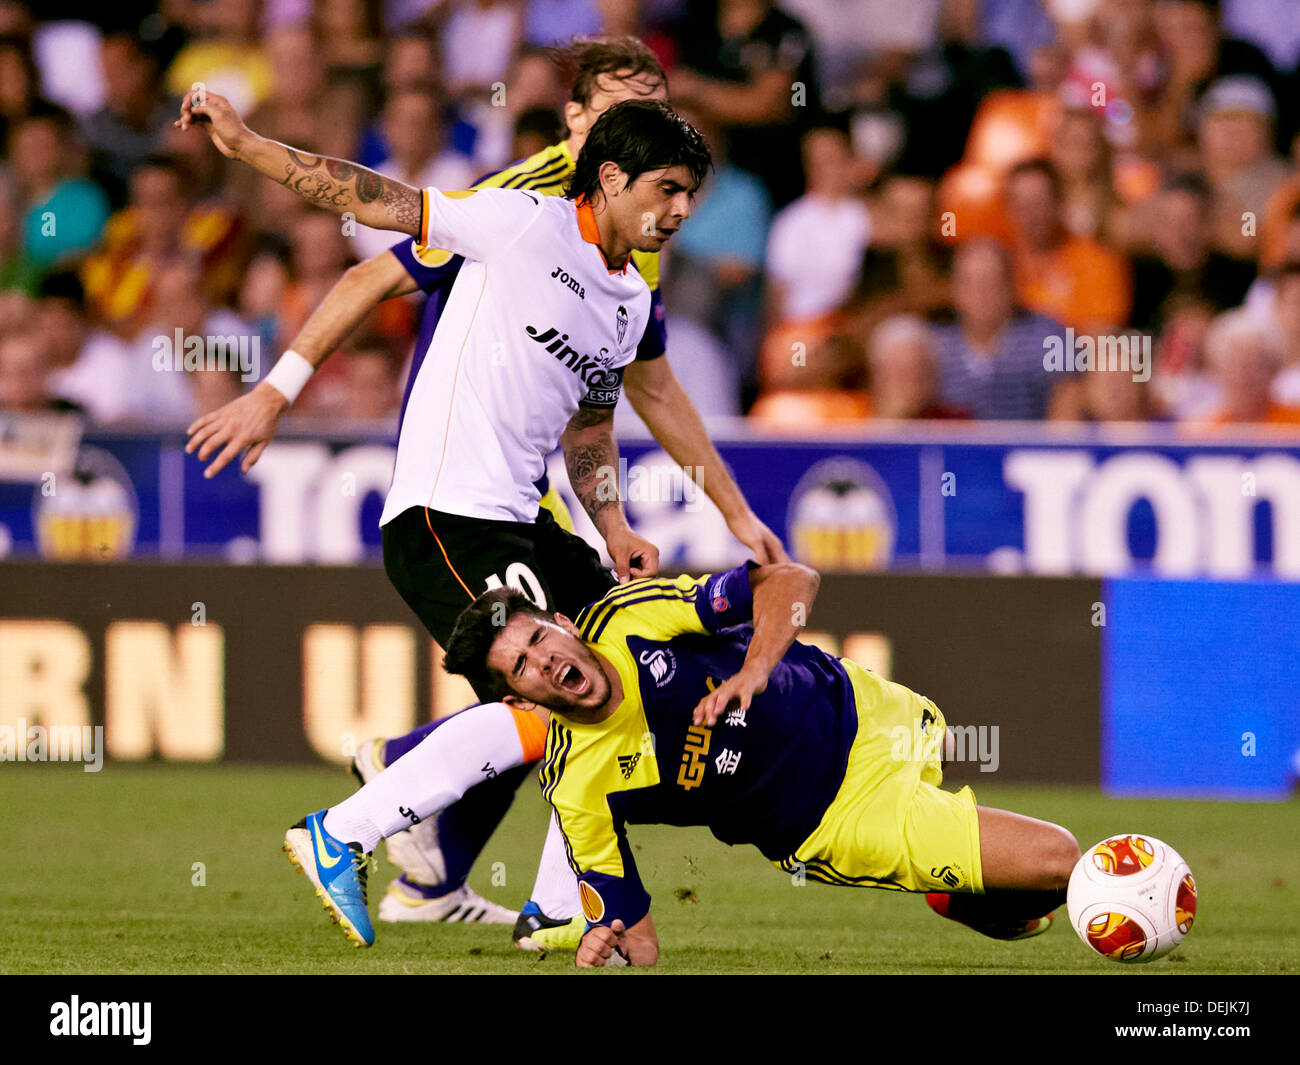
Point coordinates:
[(1078, 283), (1277, 415)]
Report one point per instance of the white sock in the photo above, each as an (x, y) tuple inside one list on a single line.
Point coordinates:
[(556, 888), (430, 776)]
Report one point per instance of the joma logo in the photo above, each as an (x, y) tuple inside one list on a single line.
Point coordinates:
[(571, 282)]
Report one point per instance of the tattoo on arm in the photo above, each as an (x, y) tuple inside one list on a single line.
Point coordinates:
[(345, 186), (592, 466), (589, 417)]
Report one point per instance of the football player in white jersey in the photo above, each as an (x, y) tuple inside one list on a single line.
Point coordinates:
[(465, 521)]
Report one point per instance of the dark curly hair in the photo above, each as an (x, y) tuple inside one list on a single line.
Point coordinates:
[(478, 625)]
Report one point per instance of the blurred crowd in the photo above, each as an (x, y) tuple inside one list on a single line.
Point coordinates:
[(911, 204)]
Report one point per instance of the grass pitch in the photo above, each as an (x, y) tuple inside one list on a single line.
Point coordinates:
[(165, 869)]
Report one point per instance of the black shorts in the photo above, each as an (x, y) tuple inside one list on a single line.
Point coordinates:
[(440, 563)]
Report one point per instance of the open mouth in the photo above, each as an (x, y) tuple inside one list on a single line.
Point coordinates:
[(570, 679)]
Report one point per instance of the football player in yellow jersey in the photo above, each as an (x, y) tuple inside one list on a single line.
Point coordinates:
[(690, 702)]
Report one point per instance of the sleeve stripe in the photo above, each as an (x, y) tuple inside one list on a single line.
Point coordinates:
[(521, 169), (678, 596), (533, 178), (614, 597), (558, 744), (424, 217), (619, 592)]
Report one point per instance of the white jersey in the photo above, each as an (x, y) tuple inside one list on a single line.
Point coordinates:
[(535, 326)]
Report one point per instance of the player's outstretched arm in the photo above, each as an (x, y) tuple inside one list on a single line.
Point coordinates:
[(639, 945), (340, 186), (664, 405), (247, 424), (591, 458), (783, 599)]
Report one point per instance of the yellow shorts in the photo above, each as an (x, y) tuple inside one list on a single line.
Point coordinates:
[(554, 502), (890, 825)]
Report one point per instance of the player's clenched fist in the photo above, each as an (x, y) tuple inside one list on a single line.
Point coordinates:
[(213, 111), (603, 946)]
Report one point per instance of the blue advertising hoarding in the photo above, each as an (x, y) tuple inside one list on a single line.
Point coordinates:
[(1200, 689), (986, 498)]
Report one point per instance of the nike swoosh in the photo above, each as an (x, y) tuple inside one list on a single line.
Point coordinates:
[(323, 857)]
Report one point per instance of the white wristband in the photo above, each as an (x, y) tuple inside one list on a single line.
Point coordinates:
[(290, 374)]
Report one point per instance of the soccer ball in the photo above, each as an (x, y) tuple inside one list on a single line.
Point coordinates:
[(1131, 898)]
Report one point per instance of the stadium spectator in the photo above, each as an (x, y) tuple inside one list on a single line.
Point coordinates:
[(1279, 236), (412, 128), (226, 52), (87, 365), (1244, 354), (17, 272), (162, 394), (160, 224), (345, 102), (938, 91), (24, 375), (373, 389), (1286, 249), (1073, 280), (213, 388), (1286, 313), (319, 256), (1196, 53), (705, 370), (1235, 140), (134, 120), (264, 292), (1113, 396), (292, 109), (490, 132), (350, 34), (991, 358), (1082, 157), (1181, 261), (410, 61), (18, 83), (715, 276), (906, 267), (814, 251), (1182, 387), (64, 211), (479, 40), (825, 387), (904, 365), (749, 67), (535, 129)]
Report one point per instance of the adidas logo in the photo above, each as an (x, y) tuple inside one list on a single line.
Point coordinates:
[(627, 764)]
